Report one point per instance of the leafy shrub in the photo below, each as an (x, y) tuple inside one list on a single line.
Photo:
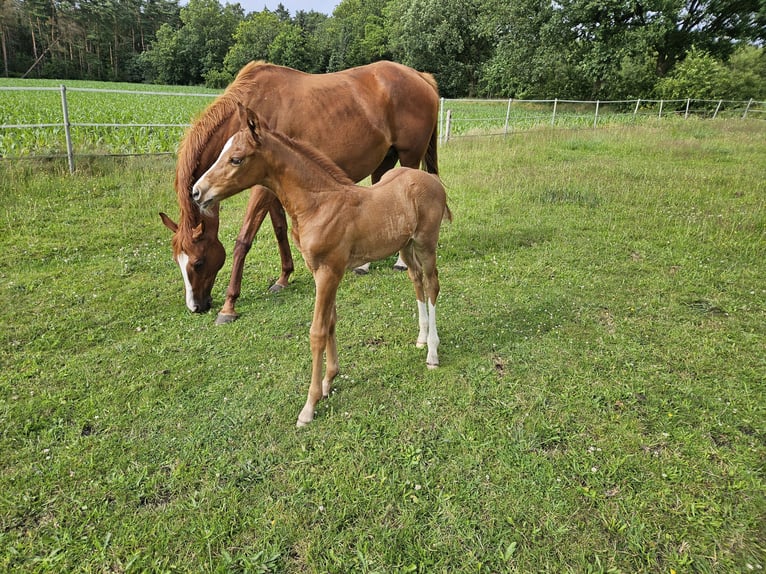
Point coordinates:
[(700, 76)]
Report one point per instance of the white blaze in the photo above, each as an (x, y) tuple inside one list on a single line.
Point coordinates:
[(226, 146), (183, 261)]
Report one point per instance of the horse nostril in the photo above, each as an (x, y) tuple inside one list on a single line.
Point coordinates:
[(195, 194)]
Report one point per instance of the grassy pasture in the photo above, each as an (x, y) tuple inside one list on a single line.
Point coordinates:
[(599, 408)]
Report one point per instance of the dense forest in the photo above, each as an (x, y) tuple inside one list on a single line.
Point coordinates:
[(588, 49)]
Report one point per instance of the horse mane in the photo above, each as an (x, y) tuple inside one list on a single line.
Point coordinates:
[(314, 155), (197, 138)]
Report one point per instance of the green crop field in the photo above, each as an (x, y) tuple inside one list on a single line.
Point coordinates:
[(119, 106), (600, 405)]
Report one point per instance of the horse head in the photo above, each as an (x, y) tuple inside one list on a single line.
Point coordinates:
[(200, 255)]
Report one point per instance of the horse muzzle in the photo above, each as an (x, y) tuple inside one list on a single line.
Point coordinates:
[(197, 193)]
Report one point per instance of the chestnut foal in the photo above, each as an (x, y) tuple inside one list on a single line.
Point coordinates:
[(337, 225)]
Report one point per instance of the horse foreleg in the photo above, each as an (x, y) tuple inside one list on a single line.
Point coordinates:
[(279, 223), (257, 208), (322, 337), (331, 356)]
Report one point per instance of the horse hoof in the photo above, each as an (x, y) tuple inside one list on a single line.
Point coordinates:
[(432, 365), (300, 424), (420, 344), (400, 268), (361, 271), (223, 318), (276, 288)]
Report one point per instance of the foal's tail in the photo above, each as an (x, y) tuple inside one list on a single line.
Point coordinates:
[(447, 214)]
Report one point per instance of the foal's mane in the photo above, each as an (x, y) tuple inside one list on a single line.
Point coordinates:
[(315, 155), (199, 136)]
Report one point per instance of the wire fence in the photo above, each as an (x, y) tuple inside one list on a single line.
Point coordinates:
[(61, 122), (480, 118)]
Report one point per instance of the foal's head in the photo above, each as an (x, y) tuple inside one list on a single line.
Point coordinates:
[(238, 167)]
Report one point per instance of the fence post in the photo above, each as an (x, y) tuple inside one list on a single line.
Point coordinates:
[(449, 126), (441, 120), (67, 133), (747, 109), (555, 105), (595, 119), (686, 113), (661, 102), (718, 107), (507, 116), (635, 110)]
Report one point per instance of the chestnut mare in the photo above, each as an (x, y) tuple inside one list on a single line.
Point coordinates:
[(364, 119), (337, 225)]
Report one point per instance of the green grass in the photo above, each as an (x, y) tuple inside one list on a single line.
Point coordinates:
[(599, 408)]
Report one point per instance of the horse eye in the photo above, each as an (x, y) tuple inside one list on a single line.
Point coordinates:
[(198, 264), (236, 160)]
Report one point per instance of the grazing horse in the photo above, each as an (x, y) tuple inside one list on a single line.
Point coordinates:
[(337, 225), (364, 119)]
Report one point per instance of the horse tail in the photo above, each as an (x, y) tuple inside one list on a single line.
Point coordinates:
[(431, 159)]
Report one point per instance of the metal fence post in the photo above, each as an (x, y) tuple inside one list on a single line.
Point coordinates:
[(686, 113), (635, 110), (661, 102), (67, 133), (553, 117), (441, 120), (507, 116), (747, 109), (449, 126), (595, 119), (718, 107)]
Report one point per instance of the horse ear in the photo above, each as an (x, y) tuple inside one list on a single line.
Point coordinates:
[(169, 223), (198, 231)]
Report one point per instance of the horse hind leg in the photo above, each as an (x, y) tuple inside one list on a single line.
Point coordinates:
[(427, 289), (427, 334), (279, 223)]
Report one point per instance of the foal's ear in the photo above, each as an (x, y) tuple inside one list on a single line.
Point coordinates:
[(242, 114), (254, 123), (169, 223), (248, 119)]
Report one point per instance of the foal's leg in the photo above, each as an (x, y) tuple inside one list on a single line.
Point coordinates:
[(422, 271), (257, 208), (431, 276), (322, 337), (415, 272)]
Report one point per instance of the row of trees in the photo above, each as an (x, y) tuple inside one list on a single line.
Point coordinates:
[(589, 49)]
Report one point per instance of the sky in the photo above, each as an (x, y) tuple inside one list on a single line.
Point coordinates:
[(324, 6)]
